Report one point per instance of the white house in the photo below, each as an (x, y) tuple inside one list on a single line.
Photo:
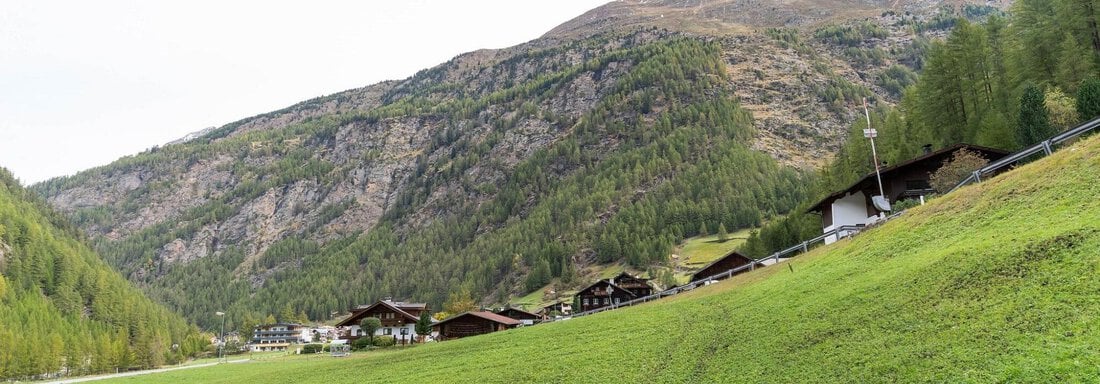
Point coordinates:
[(398, 320)]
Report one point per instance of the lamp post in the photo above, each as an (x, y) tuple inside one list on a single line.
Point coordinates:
[(221, 347), (404, 331)]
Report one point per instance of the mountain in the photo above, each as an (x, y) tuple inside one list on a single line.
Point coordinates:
[(994, 282), (65, 311), (499, 171)]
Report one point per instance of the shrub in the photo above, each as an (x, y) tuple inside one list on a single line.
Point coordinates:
[(360, 343), (961, 165), (312, 348), (384, 342)]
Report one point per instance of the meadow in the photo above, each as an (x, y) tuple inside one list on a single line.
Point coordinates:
[(995, 282)]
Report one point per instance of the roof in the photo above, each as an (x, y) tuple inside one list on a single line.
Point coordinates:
[(506, 309), (719, 260), (358, 313), (484, 315), (623, 273), (992, 153), (609, 283)]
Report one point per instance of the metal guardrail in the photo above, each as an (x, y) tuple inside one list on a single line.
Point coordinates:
[(1046, 147), (840, 232)]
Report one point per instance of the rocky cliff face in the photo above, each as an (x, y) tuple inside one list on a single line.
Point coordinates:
[(436, 146)]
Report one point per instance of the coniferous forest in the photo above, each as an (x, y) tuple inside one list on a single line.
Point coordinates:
[(1002, 81), (65, 310)]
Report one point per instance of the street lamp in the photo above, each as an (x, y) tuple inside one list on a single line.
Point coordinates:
[(221, 347), (404, 331)]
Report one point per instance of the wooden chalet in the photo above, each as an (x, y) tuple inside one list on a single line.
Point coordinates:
[(561, 307), (730, 261), (638, 286), (394, 316), (907, 180), (601, 294), (526, 318), (472, 324)]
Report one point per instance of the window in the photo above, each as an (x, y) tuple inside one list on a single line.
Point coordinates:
[(616, 301), (917, 185), (606, 301), (586, 301), (387, 331), (389, 315)]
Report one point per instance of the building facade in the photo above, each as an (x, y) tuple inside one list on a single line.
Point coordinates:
[(277, 337), (398, 319)]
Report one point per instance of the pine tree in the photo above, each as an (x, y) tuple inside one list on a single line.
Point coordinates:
[(702, 229), (722, 234), (1088, 99), (1033, 125)]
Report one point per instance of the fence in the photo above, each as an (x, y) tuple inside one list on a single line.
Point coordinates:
[(1046, 147), (803, 247)]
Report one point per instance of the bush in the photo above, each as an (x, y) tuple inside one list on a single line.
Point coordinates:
[(386, 341), (360, 343), (312, 348), (961, 165)]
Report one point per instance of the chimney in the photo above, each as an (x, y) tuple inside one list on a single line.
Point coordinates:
[(927, 148)]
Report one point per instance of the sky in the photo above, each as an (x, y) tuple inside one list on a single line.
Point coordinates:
[(83, 83)]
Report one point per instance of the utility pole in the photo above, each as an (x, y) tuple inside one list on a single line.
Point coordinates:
[(871, 133)]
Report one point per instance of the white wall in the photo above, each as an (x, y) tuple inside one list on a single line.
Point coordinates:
[(354, 331), (848, 210)]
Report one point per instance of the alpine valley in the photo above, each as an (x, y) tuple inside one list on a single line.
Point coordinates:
[(608, 140)]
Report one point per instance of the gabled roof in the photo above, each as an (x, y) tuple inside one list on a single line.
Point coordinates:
[(990, 153), (484, 315), (609, 283), (719, 260), (506, 309), (359, 313), (623, 273)]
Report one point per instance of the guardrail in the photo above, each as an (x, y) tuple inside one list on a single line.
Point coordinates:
[(1046, 147), (803, 247)]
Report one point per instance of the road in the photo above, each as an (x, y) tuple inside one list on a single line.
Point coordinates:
[(136, 373)]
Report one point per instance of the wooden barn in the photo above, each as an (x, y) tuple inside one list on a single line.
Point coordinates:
[(638, 286), (730, 261), (527, 318), (472, 324), (601, 294)]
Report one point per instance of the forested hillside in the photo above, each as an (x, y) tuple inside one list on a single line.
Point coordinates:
[(501, 170), (64, 311), (1006, 82)]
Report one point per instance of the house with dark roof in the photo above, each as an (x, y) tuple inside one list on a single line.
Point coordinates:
[(908, 180), (561, 308), (638, 286), (526, 318), (472, 324), (395, 316), (601, 294), (730, 261)]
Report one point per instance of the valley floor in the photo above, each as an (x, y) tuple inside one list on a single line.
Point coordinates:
[(993, 283)]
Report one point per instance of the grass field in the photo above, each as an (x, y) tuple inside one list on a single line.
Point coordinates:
[(697, 252), (996, 282)]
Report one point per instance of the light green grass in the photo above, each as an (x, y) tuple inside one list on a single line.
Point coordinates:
[(997, 282), (697, 252)]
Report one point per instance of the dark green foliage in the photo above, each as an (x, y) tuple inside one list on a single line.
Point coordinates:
[(424, 324), (312, 348), (850, 35), (1088, 99), (369, 326), (62, 309), (1033, 125), (895, 79)]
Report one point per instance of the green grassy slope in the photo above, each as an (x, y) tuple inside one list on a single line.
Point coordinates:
[(993, 283)]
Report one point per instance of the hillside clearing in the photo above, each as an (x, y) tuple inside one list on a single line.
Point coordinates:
[(993, 283)]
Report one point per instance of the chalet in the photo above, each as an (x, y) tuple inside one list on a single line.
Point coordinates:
[(397, 318), (601, 294), (277, 337), (728, 262), (472, 324), (559, 307), (638, 286), (524, 317), (908, 180)]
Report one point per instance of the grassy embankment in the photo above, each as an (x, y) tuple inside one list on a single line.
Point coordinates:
[(993, 283)]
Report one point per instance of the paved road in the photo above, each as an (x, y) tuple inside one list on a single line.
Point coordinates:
[(136, 373)]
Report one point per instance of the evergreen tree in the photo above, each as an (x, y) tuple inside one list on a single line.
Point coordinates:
[(1033, 125), (1088, 99), (722, 234), (423, 325)]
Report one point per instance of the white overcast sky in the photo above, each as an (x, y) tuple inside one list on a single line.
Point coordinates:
[(83, 83)]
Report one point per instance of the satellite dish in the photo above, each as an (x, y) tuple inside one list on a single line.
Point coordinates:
[(881, 203)]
